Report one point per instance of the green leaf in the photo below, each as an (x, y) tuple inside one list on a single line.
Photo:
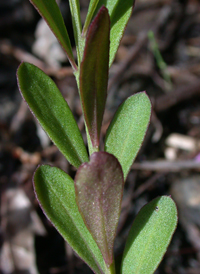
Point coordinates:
[(91, 10), (49, 10), (94, 74), (120, 12), (55, 192), (99, 189), (52, 111), (150, 236), (127, 129)]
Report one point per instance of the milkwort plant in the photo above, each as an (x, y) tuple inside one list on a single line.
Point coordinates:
[(86, 210)]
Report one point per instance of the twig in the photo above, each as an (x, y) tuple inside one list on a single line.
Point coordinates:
[(19, 117), (147, 184), (163, 165), (8, 49), (174, 97)]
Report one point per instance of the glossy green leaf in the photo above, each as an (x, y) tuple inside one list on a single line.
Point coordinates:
[(92, 7), (150, 236), (94, 74), (99, 189), (56, 195), (52, 111), (127, 129), (49, 10), (120, 12)]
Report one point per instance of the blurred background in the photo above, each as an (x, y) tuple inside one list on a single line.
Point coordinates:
[(159, 53)]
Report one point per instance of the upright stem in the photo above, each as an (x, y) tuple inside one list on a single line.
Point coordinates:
[(111, 269), (90, 146), (76, 22), (91, 10)]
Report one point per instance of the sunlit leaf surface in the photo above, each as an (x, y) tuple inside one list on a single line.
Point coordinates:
[(127, 129), (149, 236)]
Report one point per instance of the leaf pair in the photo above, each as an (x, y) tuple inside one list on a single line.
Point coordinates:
[(96, 184), (151, 231), (102, 177), (55, 189), (123, 138), (97, 56), (119, 11), (99, 183)]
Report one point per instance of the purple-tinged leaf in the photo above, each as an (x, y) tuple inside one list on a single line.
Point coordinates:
[(94, 74), (99, 188)]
